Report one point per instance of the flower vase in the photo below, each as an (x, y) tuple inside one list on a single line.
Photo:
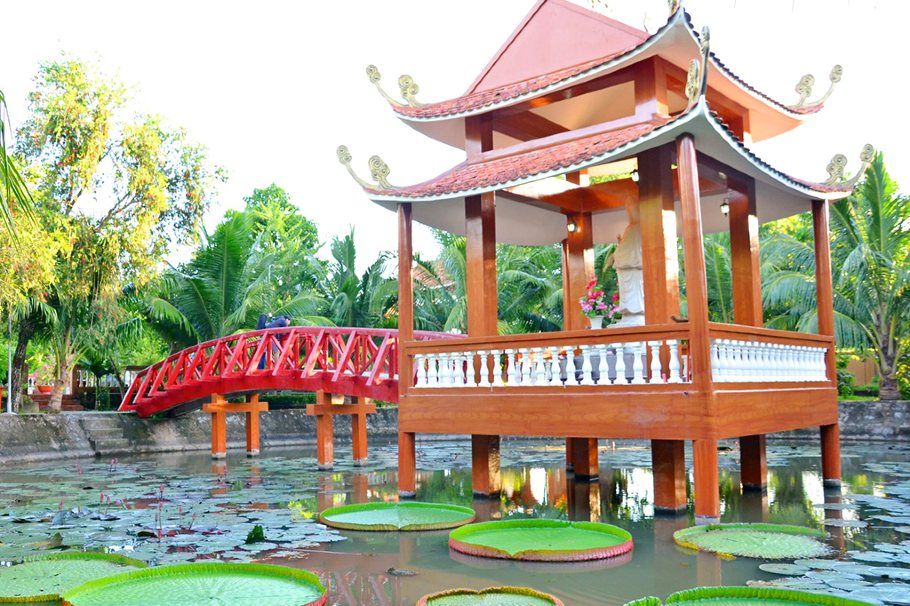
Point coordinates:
[(597, 322)]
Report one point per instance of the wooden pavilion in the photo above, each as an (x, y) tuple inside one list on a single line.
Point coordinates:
[(577, 129)]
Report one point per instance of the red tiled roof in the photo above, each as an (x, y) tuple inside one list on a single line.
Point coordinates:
[(492, 170), (485, 173), (502, 94)]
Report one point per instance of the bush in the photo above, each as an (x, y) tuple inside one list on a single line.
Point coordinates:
[(845, 379)]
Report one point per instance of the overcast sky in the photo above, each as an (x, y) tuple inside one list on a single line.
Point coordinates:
[(272, 88)]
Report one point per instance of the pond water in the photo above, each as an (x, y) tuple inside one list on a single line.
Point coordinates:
[(174, 508)]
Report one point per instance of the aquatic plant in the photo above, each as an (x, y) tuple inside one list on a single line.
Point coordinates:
[(766, 541)]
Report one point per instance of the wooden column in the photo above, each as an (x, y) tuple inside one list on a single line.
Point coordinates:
[(485, 477), (707, 500), (668, 462), (359, 430), (745, 265), (325, 438), (219, 428), (707, 491), (577, 271), (407, 461), (254, 407), (660, 272), (824, 293)]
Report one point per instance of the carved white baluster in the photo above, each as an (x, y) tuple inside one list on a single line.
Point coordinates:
[(598, 366), (540, 368), (432, 372), (555, 378), (717, 372), (458, 374), (512, 375), (586, 377), (445, 370), (484, 369), (673, 365), (638, 366), (420, 362), (525, 365), (497, 368), (470, 370), (656, 367), (571, 368), (620, 364)]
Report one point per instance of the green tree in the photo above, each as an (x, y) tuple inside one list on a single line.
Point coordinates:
[(357, 300), (122, 188)]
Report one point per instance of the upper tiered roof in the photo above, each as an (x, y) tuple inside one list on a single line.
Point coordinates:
[(560, 44)]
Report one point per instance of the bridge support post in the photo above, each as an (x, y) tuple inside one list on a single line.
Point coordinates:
[(219, 428), (219, 409), (325, 432), (324, 410), (359, 431)]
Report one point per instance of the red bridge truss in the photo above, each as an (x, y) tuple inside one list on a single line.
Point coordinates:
[(359, 362)]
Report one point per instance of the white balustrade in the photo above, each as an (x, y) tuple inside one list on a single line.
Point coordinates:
[(734, 361), (565, 365)]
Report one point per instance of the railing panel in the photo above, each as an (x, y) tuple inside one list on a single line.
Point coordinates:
[(746, 354)]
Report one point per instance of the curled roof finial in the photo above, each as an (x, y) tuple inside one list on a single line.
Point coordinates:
[(838, 164), (379, 170), (375, 79), (409, 90), (805, 84)]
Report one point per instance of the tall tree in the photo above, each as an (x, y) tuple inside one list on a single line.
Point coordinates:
[(124, 189)]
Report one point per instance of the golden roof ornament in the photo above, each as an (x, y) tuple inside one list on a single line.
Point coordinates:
[(379, 170), (805, 84), (697, 78), (674, 5), (409, 90), (406, 86), (838, 164), (692, 82)]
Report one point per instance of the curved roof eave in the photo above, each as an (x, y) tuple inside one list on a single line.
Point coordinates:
[(699, 120)]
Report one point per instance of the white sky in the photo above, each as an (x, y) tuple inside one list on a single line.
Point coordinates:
[(272, 88)]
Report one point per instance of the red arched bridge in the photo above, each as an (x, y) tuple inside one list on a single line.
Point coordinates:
[(360, 362)]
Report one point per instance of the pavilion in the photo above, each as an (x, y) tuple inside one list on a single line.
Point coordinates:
[(579, 129)]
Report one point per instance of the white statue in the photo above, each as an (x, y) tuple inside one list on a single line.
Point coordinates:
[(628, 264)]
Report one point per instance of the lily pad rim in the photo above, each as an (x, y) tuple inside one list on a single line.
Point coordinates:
[(100, 556), (459, 541), (195, 568), (775, 593), (680, 536), (512, 589), (324, 516)]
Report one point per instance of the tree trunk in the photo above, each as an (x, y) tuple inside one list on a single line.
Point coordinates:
[(888, 387), (27, 328), (65, 374)]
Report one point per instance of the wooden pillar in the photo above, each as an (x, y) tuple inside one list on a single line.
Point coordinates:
[(252, 426), (359, 432), (660, 273), (707, 499), (485, 477), (407, 462), (830, 434), (325, 448), (668, 462), (707, 492), (481, 292), (577, 271), (219, 428), (745, 266)]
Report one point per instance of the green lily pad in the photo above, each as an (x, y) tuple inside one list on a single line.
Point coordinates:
[(209, 583), (45, 578), (765, 541), (491, 596), (407, 515), (541, 540), (747, 596)]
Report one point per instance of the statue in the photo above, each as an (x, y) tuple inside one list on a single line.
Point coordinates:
[(627, 261)]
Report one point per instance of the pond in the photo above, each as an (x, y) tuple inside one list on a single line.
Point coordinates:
[(175, 508)]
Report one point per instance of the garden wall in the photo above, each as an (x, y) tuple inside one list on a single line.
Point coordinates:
[(44, 436)]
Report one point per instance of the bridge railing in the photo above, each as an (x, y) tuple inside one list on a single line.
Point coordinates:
[(367, 355)]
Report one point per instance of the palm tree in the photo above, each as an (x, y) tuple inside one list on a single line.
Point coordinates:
[(14, 194), (224, 289), (354, 300)]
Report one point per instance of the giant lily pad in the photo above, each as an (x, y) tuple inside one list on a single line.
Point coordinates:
[(46, 577), (765, 541), (407, 515), (491, 596), (192, 584), (541, 540), (747, 596)]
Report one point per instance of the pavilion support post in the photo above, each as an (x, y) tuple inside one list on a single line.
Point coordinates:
[(407, 462), (485, 476), (577, 271), (482, 312), (325, 436), (830, 433), (660, 272), (359, 432), (745, 265), (707, 500), (668, 462)]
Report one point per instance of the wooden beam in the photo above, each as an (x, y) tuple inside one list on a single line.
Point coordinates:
[(526, 126), (651, 88), (578, 269), (480, 228), (745, 263), (478, 135), (660, 264), (694, 252)]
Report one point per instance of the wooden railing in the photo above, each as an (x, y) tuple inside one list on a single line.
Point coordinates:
[(608, 357), (746, 354)]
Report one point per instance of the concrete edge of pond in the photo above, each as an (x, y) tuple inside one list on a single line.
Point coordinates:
[(38, 437)]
